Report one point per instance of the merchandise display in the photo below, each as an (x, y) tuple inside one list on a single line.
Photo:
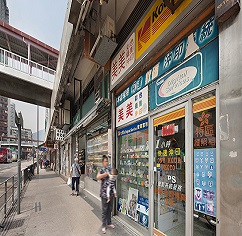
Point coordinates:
[(96, 148), (133, 181)]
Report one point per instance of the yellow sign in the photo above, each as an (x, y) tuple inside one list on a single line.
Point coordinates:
[(154, 23), (158, 233)]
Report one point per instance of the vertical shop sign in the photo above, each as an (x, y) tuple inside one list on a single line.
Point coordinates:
[(123, 60), (202, 36), (157, 20), (205, 181), (133, 108)]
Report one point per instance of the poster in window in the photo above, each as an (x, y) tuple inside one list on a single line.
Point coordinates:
[(132, 203)]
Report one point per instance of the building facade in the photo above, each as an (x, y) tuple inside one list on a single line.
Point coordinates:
[(170, 122), (4, 11), (11, 116), (26, 134), (3, 116)]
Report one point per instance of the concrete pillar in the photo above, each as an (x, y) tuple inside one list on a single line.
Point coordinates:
[(230, 89)]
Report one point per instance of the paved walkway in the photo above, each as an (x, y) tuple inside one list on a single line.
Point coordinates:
[(48, 209)]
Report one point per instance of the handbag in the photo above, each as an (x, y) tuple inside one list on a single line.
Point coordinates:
[(69, 181)]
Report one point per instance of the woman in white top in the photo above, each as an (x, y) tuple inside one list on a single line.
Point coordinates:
[(75, 174)]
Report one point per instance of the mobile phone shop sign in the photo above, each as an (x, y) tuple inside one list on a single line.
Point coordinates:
[(202, 36), (141, 125)]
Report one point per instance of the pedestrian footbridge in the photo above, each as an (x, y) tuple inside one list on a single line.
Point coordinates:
[(27, 67)]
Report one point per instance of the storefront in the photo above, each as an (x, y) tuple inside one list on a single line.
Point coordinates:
[(166, 126), (97, 144)]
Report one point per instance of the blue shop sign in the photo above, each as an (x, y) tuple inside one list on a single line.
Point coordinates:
[(141, 125), (202, 36), (197, 71)]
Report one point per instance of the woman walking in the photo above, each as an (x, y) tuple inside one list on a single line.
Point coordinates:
[(75, 173)]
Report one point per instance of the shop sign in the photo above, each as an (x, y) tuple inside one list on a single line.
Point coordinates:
[(157, 20), (195, 72), (59, 134), (133, 108), (205, 181), (141, 125), (202, 36), (123, 60)]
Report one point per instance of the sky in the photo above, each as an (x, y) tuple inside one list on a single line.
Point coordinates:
[(43, 20)]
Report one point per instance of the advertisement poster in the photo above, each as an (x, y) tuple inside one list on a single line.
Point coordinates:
[(132, 203), (143, 211), (122, 205), (205, 181)]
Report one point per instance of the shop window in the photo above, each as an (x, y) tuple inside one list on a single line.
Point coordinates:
[(204, 146), (96, 148), (133, 166)]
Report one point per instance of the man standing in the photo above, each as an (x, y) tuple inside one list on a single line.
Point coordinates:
[(103, 175)]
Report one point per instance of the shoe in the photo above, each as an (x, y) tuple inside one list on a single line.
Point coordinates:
[(104, 230), (111, 226)]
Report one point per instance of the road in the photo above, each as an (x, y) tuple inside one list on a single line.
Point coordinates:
[(10, 169)]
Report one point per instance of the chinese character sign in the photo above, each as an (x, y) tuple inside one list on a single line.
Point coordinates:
[(209, 57), (123, 60), (133, 108), (204, 131), (205, 181)]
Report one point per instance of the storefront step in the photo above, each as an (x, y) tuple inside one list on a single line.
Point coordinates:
[(130, 228)]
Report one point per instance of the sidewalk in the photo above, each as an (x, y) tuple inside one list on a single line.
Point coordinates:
[(48, 209)]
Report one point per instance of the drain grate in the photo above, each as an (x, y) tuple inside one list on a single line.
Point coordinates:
[(16, 224)]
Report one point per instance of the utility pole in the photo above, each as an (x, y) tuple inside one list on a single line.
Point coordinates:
[(19, 123)]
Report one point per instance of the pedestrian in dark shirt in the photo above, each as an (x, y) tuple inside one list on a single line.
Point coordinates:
[(103, 175)]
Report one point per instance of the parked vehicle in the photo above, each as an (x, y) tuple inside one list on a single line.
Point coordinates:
[(5, 155)]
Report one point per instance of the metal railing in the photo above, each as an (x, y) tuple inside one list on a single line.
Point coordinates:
[(24, 65), (8, 190)]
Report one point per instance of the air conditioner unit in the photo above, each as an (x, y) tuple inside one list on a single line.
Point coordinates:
[(104, 45), (108, 28)]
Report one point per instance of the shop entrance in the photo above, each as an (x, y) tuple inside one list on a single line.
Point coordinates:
[(169, 176), (185, 194)]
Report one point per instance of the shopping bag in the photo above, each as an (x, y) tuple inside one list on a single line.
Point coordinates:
[(69, 181)]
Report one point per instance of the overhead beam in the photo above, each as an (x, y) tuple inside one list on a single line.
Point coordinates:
[(24, 91)]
